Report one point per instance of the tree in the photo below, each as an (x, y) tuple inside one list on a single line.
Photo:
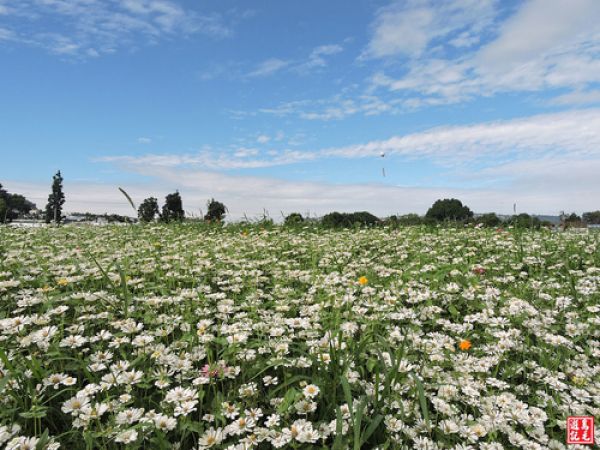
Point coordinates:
[(56, 200), (592, 217), (3, 205), (173, 208), (3, 211), (293, 219), (13, 206), (489, 220), (449, 209), (571, 220), (216, 211), (148, 210)]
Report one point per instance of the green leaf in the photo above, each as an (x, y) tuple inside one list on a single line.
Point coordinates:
[(453, 311), (338, 444), (36, 412), (347, 395), (44, 439), (358, 421), (371, 363), (422, 399), (371, 429), (288, 399), (128, 199), (292, 380)]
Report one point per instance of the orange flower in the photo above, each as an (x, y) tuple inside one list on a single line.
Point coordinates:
[(464, 345), (363, 280)]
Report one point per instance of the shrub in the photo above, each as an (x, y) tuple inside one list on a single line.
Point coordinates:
[(347, 220), (293, 219)]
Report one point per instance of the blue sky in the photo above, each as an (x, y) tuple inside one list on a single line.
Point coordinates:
[(299, 106)]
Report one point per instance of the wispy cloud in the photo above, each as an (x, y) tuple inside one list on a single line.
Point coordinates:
[(317, 57), (573, 134), (556, 168), (263, 139), (269, 67), (333, 108), (86, 28), (315, 60)]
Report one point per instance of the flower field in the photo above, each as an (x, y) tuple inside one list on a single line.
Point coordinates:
[(196, 337)]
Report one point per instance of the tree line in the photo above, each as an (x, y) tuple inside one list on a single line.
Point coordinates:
[(172, 210), (13, 206)]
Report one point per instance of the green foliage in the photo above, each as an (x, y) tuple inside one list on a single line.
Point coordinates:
[(293, 219), (216, 211), (489, 220), (572, 220), (348, 220), (592, 217), (148, 210), (405, 220), (13, 206), (3, 210), (56, 200), (524, 220), (173, 208), (449, 209)]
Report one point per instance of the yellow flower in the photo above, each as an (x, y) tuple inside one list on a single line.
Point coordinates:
[(464, 345), (363, 280), (62, 282)]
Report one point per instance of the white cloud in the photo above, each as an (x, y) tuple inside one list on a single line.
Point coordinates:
[(539, 27), (94, 27), (144, 140), (268, 67), (333, 108), (316, 59), (578, 98), (5, 34), (556, 169), (244, 152), (408, 28), (263, 139), (573, 133), (249, 196), (545, 44), (238, 159)]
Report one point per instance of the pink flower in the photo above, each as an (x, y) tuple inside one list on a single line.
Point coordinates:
[(209, 373)]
